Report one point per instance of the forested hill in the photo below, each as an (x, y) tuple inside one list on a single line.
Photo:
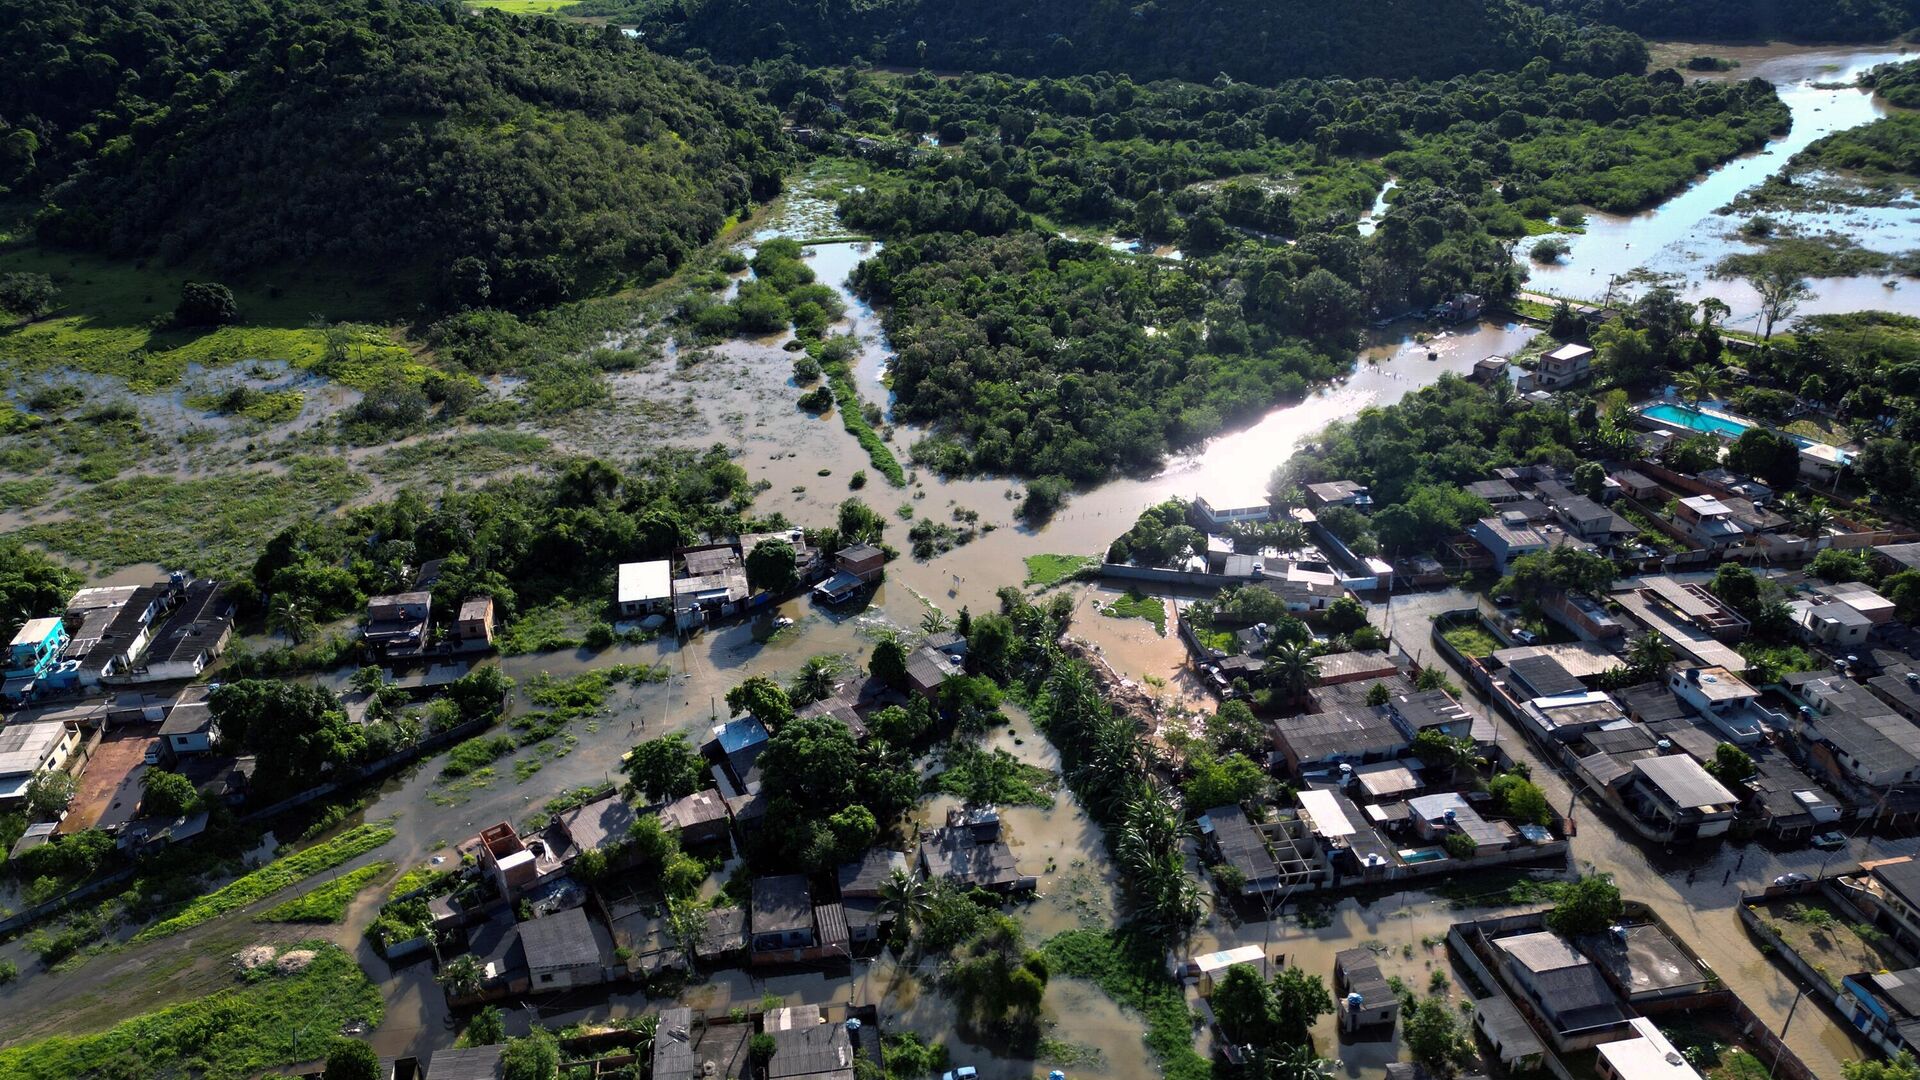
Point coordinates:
[(471, 158), (1748, 20), (1263, 41)]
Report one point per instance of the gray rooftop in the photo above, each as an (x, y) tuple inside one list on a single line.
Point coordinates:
[(471, 1063), (781, 904), (562, 939), (1543, 676), (1682, 780), (1348, 732)]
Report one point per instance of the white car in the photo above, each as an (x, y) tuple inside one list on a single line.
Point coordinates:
[(1794, 878), (152, 756), (964, 1072), (1830, 841)]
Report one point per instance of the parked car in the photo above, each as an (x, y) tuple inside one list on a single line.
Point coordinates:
[(1525, 636), (964, 1072), (152, 756), (1830, 841), (1794, 878)]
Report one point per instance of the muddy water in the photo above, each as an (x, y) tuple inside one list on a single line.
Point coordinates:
[(1684, 237)]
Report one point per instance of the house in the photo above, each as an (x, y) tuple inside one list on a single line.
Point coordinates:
[(1573, 999), (715, 581), (1899, 688), (1430, 710), (1343, 735), (1489, 370), (1340, 493), (863, 561), (789, 928), (35, 650), (644, 588), (1566, 717), (1889, 894), (1494, 492), (1723, 699), (1832, 624), (1788, 803), (1691, 603), (1437, 816), (599, 825), (1353, 666), (29, 749), (806, 561), (1708, 522), (474, 629), (1591, 521), (1646, 1055), (1559, 369), (1645, 963), (1635, 485), (1507, 537), (1679, 798), (1540, 676), (1204, 969), (1512, 1038), (701, 817), (862, 884), (397, 625), (190, 727), (501, 854), (736, 747), (562, 951), (1218, 509), (1885, 1005), (1582, 614), (970, 852), (193, 635), (806, 1046), (927, 669), (1459, 307), (1365, 1000), (1237, 844), (1860, 597), (109, 626), (1855, 736), (469, 1063)]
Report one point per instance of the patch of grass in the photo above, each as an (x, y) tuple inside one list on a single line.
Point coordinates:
[(208, 524), (1137, 606), (1471, 639), (587, 692), (420, 877), (24, 494), (1134, 975), (475, 754), (272, 1020), (329, 902), (263, 406), (271, 878), (545, 629), (1047, 570)]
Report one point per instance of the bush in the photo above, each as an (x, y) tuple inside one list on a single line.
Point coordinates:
[(205, 303), (1550, 250)]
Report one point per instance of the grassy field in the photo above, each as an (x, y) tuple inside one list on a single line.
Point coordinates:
[(273, 1019), (329, 902), (270, 879), (1471, 639), (523, 7), (107, 308), (1046, 570)]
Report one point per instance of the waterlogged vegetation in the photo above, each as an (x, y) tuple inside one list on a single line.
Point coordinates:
[(1133, 974), (328, 903), (314, 989), (271, 878)]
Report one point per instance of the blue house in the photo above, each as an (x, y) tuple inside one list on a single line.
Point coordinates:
[(35, 652)]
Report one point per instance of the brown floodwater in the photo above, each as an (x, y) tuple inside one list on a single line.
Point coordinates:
[(1683, 237)]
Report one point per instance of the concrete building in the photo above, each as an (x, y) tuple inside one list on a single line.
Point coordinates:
[(1646, 1055), (1220, 508), (1559, 369), (474, 629), (644, 588), (29, 749), (562, 951), (1363, 999), (397, 625), (1564, 988), (1675, 795), (1708, 522), (1507, 537)]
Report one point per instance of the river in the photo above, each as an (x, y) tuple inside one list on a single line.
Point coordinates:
[(1683, 236)]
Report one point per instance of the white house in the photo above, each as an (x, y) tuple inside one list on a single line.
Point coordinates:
[(644, 588)]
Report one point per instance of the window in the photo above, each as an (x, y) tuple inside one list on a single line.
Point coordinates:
[(546, 976)]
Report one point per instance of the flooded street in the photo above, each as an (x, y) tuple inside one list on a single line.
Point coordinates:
[(1684, 236)]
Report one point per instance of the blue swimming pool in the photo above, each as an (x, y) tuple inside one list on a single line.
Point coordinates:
[(1683, 416), (1420, 855)]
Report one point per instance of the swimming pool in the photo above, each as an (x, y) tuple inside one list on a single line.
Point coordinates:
[(1420, 855), (1683, 416)]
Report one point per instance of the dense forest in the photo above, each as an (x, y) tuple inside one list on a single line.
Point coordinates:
[(1748, 20), (502, 161), (1262, 42)]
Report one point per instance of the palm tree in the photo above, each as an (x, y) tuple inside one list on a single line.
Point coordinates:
[(1291, 669), (1809, 517), (905, 897), (1699, 383), (1297, 1063), (292, 616), (1649, 655), (934, 622), (817, 680), (1288, 535)]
